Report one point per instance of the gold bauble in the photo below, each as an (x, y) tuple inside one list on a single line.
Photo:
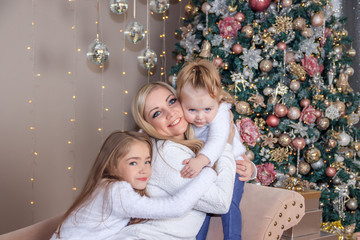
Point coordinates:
[(356, 146), (312, 155), (248, 30), (350, 154), (292, 169), (284, 139), (307, 32), (188, 8), (225, 65), (338, 50), (351, 52), (304, 168), (286, 3), (299, 23), (339, 105), (317, 19), (242, 107), (322, 123), (232, 9), (331, 143), (294, 85), (266, 65), (327, 102)]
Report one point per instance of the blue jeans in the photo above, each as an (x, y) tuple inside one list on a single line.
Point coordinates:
[(231, 221)]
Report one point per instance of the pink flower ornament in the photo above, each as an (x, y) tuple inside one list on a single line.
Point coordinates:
[(266, 173), (229, 27), (248, 131), (308, 115), (311, 65)]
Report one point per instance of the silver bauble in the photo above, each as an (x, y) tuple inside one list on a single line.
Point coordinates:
[(318, 165), (97, 52), (345, 139), (352, 204), (336, 180), (134, 32), (147, 59), (159, 6), (118, 6), (292, 170), (250, 154)]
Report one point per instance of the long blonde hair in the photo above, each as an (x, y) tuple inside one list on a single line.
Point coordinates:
[(138, 107), (116, 146), (202, 74)]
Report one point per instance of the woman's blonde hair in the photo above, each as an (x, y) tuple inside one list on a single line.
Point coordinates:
[(116, 146), (202, 73), (138, 107)]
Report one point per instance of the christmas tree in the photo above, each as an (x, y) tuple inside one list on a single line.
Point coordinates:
[(287, 63)]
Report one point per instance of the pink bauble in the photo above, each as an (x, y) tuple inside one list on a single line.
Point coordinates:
[(282, 46), (280, 110), (304, 102), (259, 5), (239, 17), (330, 171), (237, 48), (179, 57), (293, 113), (294, 85), (286, 3), (272, 121), (218, 61), (298, 143), (318, 113)]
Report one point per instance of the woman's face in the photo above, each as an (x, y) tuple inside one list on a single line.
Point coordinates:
[(163, 111)]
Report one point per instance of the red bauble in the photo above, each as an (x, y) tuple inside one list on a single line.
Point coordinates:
[(298, 143), (330, 171), (280, 110), (259, 5), (272, 121), (218, 61), (237, 48), (304, 102)]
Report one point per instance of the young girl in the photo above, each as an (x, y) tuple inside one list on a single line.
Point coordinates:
[(206, 106), (114, 192)]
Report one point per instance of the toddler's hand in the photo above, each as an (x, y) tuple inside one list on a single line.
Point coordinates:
[(194, 166)]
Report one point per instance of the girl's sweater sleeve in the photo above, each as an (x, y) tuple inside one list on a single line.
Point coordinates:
[(132, 205), (218, 133), (218, 198)]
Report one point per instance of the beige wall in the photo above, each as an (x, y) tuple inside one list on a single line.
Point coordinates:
[(53, 54)]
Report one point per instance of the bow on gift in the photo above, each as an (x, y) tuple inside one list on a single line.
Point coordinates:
[(294, 184), (333, 227)]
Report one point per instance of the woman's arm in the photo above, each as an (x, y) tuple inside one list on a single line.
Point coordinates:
[(135, 206), (218, 198)]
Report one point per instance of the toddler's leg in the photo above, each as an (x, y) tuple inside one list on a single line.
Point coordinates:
[(204, 228), (231, 221)]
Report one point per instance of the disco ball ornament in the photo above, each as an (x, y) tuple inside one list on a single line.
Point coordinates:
[(118, 6), (147, 59), (97, 52), (134, 32), (159, 6)]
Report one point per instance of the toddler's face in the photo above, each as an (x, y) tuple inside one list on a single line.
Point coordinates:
[(135, 166), (199, 107)]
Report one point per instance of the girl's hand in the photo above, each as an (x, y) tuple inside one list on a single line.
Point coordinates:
[(245, 168), (194, 166), (232, 129)]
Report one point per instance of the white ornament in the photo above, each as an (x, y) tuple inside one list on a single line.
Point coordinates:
[(332, 112), (345, 139)]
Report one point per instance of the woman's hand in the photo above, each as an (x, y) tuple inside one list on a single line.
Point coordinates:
[(245, 168), (232, 129)]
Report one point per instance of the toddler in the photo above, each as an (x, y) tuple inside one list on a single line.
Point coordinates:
[(114, 194), (206, 106)]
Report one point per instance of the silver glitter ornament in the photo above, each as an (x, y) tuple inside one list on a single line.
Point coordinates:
[(352, 204), (147, 59), (119, 6), (159, 6), (97, 52), (134, 32)]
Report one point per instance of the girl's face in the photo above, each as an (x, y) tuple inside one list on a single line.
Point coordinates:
[(135, 166), (163, 111), (199, 107)]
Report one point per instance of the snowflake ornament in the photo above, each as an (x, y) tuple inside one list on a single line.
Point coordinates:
[(251, 57), (309, 46), (332, 112), (219, 7)]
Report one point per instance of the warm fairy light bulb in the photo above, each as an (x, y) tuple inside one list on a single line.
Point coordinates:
[(30, 101), (74, 97), (106, 109), (72, 120), (126, 91), (123, 49), (32, 128), (162, 74), (32, 179), (73, 27), (74, 188), (35, 153), (38, 75), (96, 22), (69, 168), (146, 31), (125, 113), (33, 23), (32, 202), (28, 48), (69, 142), (121, 30), (123, 73), (69, 73), (103, 87), (99, 129)]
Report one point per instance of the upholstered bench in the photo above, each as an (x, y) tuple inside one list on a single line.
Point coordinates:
[(267, 212)]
